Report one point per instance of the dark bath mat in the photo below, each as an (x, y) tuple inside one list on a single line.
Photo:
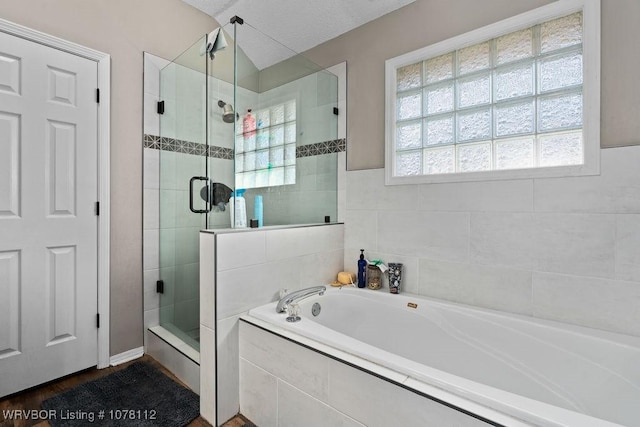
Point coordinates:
[(137, 396)]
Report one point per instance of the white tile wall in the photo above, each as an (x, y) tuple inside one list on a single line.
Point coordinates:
[(151, 117), (207, 364), (342, 185), (433, 235), (505, 239), (168, 166), (295, 242), (320, 268), (151, 297), (306, 370), (600, 303), (491, 196), (151, 169), (151, 212), (240, 249), (151, 318), (361, 228), (616, 190), (207, 280), (249, 270), (627, 244), (184, 368), (366, 191), (241, 289), (374, 402), (477, 285), (151, 242), (168, 253), (285, 384), (228, 368), (296, 407), (258, 394), (542, 247), (579, 244)]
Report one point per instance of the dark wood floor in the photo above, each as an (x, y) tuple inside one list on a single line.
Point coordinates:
[(33, 398)]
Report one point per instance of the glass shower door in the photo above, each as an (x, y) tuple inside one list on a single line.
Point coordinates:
[(183, 173)]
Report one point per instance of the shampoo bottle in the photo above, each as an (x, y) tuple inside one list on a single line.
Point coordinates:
[(238, 210), (362, 265), (248, 125), (258, 212)]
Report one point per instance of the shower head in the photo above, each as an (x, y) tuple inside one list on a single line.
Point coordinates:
[(228, 115)]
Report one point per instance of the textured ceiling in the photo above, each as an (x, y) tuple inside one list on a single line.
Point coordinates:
[(297, 24)]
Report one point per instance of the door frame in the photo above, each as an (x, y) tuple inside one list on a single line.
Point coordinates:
[(103, 61)]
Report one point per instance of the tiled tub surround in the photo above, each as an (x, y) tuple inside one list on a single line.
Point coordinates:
[(282, 383), (565, 249), (246, 269), (498, 366)]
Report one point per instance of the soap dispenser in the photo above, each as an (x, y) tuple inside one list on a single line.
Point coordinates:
[(362, 265)]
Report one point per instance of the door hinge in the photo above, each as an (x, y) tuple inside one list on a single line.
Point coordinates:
[(97, 209), (98, 320), (336, 111), (160, 286), (160, 107), (98, 95)]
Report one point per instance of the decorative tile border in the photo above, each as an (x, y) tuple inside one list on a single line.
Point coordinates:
[(326, 147), (186, 147), (197, 149)]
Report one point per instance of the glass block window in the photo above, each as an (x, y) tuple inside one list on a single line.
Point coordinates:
[(267, 157), (511, 102)]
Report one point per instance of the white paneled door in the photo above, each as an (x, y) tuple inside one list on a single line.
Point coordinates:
[(48, 223)]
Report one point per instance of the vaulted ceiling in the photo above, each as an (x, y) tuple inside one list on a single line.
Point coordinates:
[(297, 24)]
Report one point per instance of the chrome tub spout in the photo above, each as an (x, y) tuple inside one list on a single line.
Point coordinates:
[(299, 295)]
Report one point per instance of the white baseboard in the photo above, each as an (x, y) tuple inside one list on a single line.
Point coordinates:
[(127, 356)]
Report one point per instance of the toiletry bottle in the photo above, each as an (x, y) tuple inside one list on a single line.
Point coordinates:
[(232, 209), (362, 265), (241, 209), (238, 209), (258, 212), (248, 125), (395, 277)]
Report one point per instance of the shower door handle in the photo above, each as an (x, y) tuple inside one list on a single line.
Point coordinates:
[(191, 181)]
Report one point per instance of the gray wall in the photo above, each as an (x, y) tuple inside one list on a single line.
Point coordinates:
[(428, 21), (123, 29)]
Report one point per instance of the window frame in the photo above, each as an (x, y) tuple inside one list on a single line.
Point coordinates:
[(590, 93)]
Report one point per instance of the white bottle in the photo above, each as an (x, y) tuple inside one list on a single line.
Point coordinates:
[(238, 209)]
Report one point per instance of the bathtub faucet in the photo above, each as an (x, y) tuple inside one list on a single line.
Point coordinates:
[(298, 295)]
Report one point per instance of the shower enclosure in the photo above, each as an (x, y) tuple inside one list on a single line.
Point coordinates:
[(284, 149)]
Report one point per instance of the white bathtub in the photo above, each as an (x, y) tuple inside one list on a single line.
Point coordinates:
[(541, 372)]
